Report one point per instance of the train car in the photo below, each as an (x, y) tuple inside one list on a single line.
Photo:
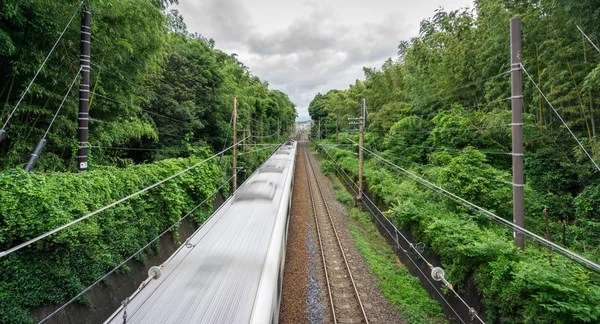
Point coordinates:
[(230, 270)]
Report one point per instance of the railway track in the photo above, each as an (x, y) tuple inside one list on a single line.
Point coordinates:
[(344, 298)]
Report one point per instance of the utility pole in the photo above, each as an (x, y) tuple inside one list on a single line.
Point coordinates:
[(517, 130), (319, 131), (244, 139), (84, 92), (337, 126), (234, 184), (361, 142), (278, 130)]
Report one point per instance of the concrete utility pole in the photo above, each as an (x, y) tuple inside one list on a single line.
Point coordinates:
[(244, 139), (84, 92), (319, 132), (361, 142), (234, 184), (517, 130), (337, 126)]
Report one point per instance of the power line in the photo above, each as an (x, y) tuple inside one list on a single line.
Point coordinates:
[(559, 117), (134, 149), (60, 228), (468, 85), (410, 244), (144, 110), (254, 151), (137, 252), (63, 101), (573, 256), (42, 66), (589, 40)]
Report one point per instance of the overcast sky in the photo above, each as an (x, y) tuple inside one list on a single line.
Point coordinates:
[(303, 47)]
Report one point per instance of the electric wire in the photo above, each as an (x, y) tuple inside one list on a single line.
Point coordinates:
[(254, 151), (135, 149), (468, 85), (60, 228), (559, 117), (137, 252), (63, 101), (589, 40), (567, 253), (411, 245), (144, 110), (42, 66)]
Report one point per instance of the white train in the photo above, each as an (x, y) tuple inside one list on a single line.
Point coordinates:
[(231, 269)]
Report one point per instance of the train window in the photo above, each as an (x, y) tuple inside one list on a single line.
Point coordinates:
[(259, 189)]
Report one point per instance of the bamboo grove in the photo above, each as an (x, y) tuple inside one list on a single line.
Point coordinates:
[(441, 108)]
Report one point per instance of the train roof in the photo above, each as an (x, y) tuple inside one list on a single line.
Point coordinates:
[(214, 276)]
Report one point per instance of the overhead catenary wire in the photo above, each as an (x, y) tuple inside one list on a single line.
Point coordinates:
[(62, 103), (559, 117), (589, 40), (467, 85), (42, 66), (137, 252), (254, 151), (144, 110), (351, 184), (60, 228), (428, 184), (136, 148), (333, 146)]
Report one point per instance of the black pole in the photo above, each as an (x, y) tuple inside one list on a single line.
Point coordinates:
[(517, 130), (35, 155), (84, 92)]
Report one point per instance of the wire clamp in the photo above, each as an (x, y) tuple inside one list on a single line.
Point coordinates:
[(472, 313), (188, 244), (124, 304), (515, 124)]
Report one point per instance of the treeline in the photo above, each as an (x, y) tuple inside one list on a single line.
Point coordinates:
[(155, 86), (442, 109)]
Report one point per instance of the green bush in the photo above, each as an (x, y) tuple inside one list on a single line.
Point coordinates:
[(61, 265), (344, 197), (516, 287)]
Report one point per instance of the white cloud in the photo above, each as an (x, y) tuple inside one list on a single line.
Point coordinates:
[(306, 47)]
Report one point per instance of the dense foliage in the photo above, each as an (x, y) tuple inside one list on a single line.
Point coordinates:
[(161, 102), (441, 110), (155, 86)]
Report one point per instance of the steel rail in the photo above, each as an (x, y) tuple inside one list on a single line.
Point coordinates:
[(314, 208), (362, 308)]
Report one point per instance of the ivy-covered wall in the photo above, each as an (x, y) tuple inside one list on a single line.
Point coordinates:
[(59, 267)]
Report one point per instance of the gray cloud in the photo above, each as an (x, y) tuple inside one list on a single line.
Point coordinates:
[(322, 47)]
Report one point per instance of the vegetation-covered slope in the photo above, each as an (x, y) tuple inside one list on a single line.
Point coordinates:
[(441, 110)]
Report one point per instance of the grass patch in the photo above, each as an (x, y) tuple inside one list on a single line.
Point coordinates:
[(400, 287), (344, 197)]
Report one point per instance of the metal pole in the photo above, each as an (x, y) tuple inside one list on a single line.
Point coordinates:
[(234, 184), (319, 131), (278, 130), (337, 126), (84, 92), (361, 142), (517, 130), (244, 139)]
